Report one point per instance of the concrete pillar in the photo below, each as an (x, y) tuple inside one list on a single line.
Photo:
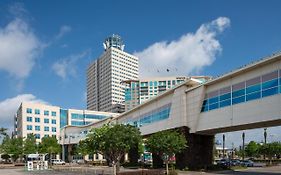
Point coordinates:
[(157, 161), (133, 155), (198, 154)]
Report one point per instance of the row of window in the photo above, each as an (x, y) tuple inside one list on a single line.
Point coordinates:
[(37, 120), (252, 89), (37, 136), (37, 111), (87, 116), (151, 117), (38, 128)]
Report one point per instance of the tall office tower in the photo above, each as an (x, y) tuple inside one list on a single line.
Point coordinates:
[(105, 92), (139, 91)]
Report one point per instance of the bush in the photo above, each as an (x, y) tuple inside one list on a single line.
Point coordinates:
[(173, 172), (143, 172)]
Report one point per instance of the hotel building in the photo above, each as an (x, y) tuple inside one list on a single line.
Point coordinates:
[(46, 120), (105, 92)]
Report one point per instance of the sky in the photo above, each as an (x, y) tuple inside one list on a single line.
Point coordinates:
[(46, 46)]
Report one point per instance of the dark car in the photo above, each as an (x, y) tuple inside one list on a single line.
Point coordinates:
[(247, 163), (235, 162), (223, 163)]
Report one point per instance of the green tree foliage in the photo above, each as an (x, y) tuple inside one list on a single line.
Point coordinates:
[(252, 149), (112, 141), (3, 132), (271, 150), (49, 145), (13, 146), (6, 157), (29, 143), (166, 144)]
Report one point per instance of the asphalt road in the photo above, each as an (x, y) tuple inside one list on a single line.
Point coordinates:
[(250, 171)]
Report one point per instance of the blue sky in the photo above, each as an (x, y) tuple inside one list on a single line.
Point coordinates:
[(48, 36)]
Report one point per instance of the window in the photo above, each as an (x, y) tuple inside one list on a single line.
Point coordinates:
[(46, 113), (54, 129), (29, 110), (54, 121), (46, 128), (37, 136), (29, 119), (37, 128), (46, 120), (37, 111), (46, 135), (37, 120), (54, 113), (29, 127)]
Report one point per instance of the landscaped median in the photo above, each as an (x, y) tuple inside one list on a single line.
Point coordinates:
[(84, 169)]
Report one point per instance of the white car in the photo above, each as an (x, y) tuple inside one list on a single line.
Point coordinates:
[(58, 162)]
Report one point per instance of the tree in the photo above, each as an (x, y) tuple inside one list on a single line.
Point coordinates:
[(251, 149), (3, 132), (13, 146), (166, 144), (29, 143), (113, 141), (83, 148), (50, 146), (6, 157), (271, 150)]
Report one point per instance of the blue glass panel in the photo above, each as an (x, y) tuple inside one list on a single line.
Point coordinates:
[(269, 92), (253, 88), (63, 117), (225, 96), (214, 106), (253, 96), (54, 113), (204, 108), (213, 100), (46, 113), (225, 103), (238, 93), (28, 110), (46, 120), (279, 89), (238, 100), (270, 84)]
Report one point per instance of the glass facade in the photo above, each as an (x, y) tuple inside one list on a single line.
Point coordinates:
[(156, 115), (252, 89), (63, 117)]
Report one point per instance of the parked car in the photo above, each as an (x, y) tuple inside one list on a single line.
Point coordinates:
[(223, 162), (247, 163), (57, 162), (235, 162)]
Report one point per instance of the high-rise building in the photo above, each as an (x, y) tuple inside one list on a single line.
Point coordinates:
[(105, 92), (45, 120), (139, 91)]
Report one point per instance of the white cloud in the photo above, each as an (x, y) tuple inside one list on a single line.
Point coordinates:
[(9, 106), (63, 30), (19, 48), (67, 66), (189, 54)]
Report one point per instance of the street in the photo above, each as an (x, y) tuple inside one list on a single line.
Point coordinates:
[(249, 171)]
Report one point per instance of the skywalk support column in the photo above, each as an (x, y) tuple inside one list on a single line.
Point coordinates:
[(198, 154)]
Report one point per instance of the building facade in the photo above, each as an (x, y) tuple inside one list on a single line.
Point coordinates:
[(139, 91), (105, 92), (46, 120)]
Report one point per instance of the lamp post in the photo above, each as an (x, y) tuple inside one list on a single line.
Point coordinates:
[(223, 146), (265, 138), (243, 146)]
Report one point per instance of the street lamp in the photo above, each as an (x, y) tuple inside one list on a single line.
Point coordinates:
[(223, 145), (243, 145)]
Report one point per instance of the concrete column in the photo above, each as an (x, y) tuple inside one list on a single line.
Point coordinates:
[(198, 154), (157, 161), (133, 155)]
